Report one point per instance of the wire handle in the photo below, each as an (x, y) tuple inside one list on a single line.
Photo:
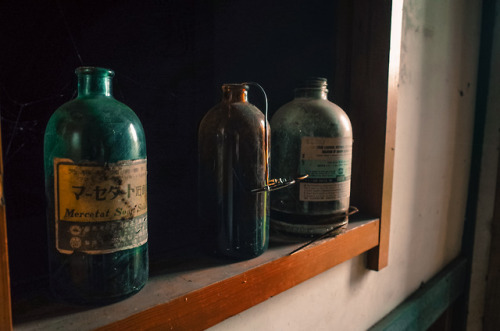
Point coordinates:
[(279, 183), (272, 184), (266, 130)]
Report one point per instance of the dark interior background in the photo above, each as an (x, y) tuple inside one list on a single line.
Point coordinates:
[(170, 59)]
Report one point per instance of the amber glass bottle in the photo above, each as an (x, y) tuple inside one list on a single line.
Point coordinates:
[(233, 161), (95, 177)]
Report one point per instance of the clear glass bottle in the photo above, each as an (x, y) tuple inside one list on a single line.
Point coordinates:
[(95, 178), (313, 136), (233, 161)]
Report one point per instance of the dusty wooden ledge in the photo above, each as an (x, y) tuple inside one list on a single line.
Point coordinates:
[(202, 292)]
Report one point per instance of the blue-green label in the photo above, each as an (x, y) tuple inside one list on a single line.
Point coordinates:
[(327, 161)]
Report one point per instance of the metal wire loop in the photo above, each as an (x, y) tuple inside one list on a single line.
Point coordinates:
[(278, 183)]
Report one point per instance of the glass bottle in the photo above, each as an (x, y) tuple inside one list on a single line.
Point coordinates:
[(233, 161), (95, 178), (313, 136)]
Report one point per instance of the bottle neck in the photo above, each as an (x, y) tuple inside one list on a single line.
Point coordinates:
[(94, 81), (234, 93), (311, 92)]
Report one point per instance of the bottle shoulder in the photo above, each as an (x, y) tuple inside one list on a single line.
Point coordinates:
[(305, 106), (84, 129), (314, 117), (97, 111), (234, 114)]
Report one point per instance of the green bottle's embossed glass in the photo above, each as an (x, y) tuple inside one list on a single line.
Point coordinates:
[(95, 178), (233, 160), (313, 136)]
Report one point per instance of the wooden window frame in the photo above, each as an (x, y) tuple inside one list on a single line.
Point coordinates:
[(5, 300)]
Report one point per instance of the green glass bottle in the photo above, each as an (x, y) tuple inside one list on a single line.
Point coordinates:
[(95, 179), (312, 136), (233, 161)]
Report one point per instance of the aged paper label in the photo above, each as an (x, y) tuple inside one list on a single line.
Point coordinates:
[(100, 208), (327, 161)]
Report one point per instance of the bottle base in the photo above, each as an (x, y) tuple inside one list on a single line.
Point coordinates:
[(308, 230), (309, 225), (88, 279)]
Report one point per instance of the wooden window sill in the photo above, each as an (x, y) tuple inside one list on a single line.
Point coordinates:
[(202, 292)]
